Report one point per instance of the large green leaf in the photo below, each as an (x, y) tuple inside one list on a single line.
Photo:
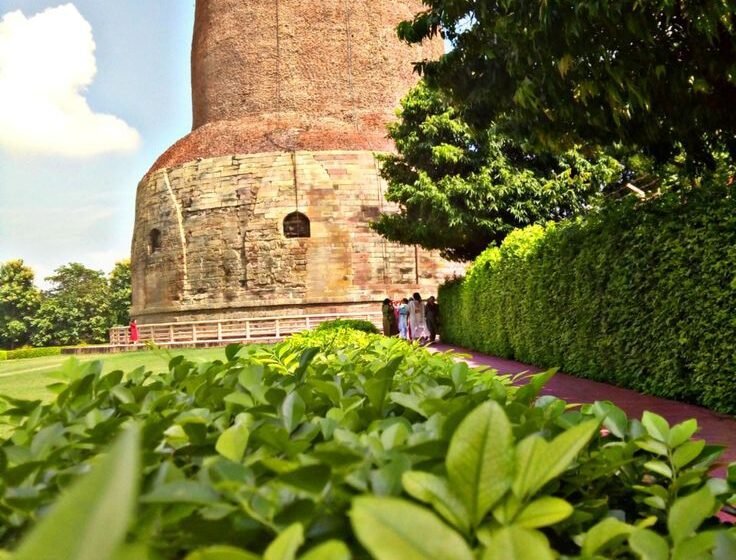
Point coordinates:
[(659, 467), (331, 550), (518, 543), (378, 386), (407, 400), (697, 547), (614, 419), (539, 461), (135, 551), (232, 442), (292, 411), (90, 521), (687, 452), (232, 350), (543, 512), (312, 478), (682, 432), (480, 460), (435, 491), (181, 492), (688, 513), (656, 426), (251, 379), (304, 360), (649, 545), (725, 545), (603, 534), (393, 529), (284, 547), (221, 553)]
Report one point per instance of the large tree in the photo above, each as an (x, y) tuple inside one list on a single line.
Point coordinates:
[(460, 189), (76, 308), (120, 293), (19, 300), (657, 76)]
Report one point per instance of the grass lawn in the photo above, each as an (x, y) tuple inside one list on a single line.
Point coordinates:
[(27, 379)]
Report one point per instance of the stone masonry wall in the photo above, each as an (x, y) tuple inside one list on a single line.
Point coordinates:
[(223, 251)]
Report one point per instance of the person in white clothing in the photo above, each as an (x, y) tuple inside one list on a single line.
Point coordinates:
[(417, 320)]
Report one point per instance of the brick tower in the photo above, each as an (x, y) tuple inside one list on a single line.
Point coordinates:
[(263, 209)]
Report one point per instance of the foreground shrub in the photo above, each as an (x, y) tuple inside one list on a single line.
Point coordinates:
[(375, 448), (29, 352), (355, 324), (642, 296), (3, 355)]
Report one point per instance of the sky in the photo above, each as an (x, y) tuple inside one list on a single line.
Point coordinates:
[(91, 93)]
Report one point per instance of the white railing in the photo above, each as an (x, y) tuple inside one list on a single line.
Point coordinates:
[(231, 330)]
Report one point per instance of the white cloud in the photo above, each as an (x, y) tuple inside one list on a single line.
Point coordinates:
[(46, 63), (59, 236)]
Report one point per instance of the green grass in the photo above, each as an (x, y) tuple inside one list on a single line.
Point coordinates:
[(28, 378)]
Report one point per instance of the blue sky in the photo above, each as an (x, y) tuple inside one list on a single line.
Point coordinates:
[(91, 92)]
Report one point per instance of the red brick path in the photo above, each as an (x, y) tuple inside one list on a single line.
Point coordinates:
[(713, 427)]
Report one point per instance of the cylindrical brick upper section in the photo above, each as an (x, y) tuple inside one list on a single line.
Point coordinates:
[(296, 75), (324, 59)]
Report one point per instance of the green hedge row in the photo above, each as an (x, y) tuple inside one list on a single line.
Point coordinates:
[(30, 353), (638, 295), (355, 324), (336, 445)]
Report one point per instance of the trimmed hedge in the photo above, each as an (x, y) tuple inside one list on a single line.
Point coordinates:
[(21, 353), (340, 444), (3, 355), (638, 295), (355, 324)]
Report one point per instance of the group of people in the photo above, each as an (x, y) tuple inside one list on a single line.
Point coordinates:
[(411, 318)]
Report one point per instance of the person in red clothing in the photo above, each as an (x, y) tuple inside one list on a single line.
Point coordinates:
[(133, 331)]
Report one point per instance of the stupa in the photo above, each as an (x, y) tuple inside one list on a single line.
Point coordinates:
[(264, 208)]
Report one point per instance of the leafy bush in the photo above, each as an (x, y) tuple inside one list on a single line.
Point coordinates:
[(28, 352), (642, 297), (355, 324), (3, 355), (374, 447)]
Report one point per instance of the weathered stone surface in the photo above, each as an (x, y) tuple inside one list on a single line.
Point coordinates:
[(291, 99), (222, 247)]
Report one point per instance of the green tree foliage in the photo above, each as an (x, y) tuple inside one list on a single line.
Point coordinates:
[(19, 300), (120, 293), (460, 189), (656, 75), (76, 308), (639, 295)]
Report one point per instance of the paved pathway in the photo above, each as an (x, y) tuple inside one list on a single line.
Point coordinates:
[(714, 428)]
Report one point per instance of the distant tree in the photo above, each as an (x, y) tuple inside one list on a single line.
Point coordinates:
[(120, 293), (76, 308), (460, 189), (657, 76), (19, 300)]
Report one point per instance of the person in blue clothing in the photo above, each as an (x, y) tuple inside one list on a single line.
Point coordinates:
[(404, 319)]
